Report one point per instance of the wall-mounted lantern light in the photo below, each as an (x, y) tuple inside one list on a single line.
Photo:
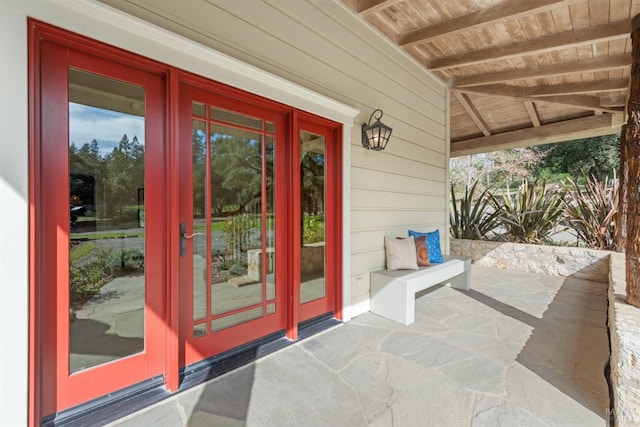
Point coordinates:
[(375, 136)]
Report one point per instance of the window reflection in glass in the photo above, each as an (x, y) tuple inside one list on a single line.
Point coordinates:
[(236, 205), (312, 209), (106, 219), (233, 218), (199, 162)]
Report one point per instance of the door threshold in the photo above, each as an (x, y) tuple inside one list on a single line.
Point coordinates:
[(124, 402), (112, 406)]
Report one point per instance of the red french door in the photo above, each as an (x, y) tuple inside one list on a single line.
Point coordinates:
[(251, 190), (317, 207), (232, 213), (99, 225)]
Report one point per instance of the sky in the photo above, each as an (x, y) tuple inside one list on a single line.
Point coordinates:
[(106, 126)]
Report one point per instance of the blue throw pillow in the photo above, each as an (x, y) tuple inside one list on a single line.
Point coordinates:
[(433, 244)]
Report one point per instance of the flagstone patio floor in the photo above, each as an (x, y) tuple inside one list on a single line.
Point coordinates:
[(519, 349)]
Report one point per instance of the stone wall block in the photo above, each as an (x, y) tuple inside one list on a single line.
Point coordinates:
[(624, 330), (553, 260)]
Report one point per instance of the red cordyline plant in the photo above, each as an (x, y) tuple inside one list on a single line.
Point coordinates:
[(592, 211)]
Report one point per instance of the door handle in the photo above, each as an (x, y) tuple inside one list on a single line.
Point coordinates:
[(184, 236), (190, 236)]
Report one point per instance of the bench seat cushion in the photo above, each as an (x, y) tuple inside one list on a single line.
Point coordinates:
[(433, 244), (400, 254), (422, 252)]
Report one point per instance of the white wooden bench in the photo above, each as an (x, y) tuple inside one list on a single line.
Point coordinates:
[(393, 292)]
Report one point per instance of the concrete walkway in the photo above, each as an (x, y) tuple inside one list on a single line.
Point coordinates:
[(518, 350)]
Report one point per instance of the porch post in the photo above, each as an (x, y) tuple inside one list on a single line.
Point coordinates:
[(630, 166), (623, 176)]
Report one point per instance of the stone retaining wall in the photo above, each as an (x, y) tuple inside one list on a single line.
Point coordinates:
[(624, 332), (601, 266), (312, 260), (551, 260)]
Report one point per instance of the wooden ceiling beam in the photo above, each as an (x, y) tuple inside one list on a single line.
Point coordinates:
[(550, 90), (567, 39), (584, 127), (613, 101), (503, 90), (603, 63), (533, 113), (369, 7), (482, 17), (583, 87), (583, 102), (473, 112)]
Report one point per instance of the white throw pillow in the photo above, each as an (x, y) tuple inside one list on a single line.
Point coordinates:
[(401, 254)]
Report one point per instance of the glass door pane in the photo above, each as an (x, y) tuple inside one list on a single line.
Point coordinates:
[(312, 210), (236, 224), (107, 219), (233, 218), (200, 253)]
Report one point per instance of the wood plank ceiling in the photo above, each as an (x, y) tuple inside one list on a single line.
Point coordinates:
[(521, 72)]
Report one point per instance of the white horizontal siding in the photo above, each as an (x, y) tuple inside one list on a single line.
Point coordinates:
[(368, 199), (362, 221), (322, 45), (365, 178)]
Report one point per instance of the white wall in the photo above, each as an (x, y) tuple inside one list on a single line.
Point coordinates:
[(13, 219), (318, 56)]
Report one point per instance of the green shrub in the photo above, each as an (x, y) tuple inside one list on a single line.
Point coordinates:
[(475, 218), (312, 229), (86, 279), (533, 214), (551, 176), (131, 259)]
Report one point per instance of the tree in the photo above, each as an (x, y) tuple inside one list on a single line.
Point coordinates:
[(199, 162), (467, 169), (236, 172), (599, 157), (312, 186), (515, 164), (498, 167), (124, 176), (86, 171)]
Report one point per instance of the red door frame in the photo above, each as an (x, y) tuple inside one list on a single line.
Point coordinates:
[(196, 349), (63, 390), (40, 33), (333, 217), (172, 229)]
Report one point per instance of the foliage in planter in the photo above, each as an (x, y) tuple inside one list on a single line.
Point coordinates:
[(533, 214), (131, 259), (475, 218), (312, 229), (592, 211), (237, 232), (87, 278)]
